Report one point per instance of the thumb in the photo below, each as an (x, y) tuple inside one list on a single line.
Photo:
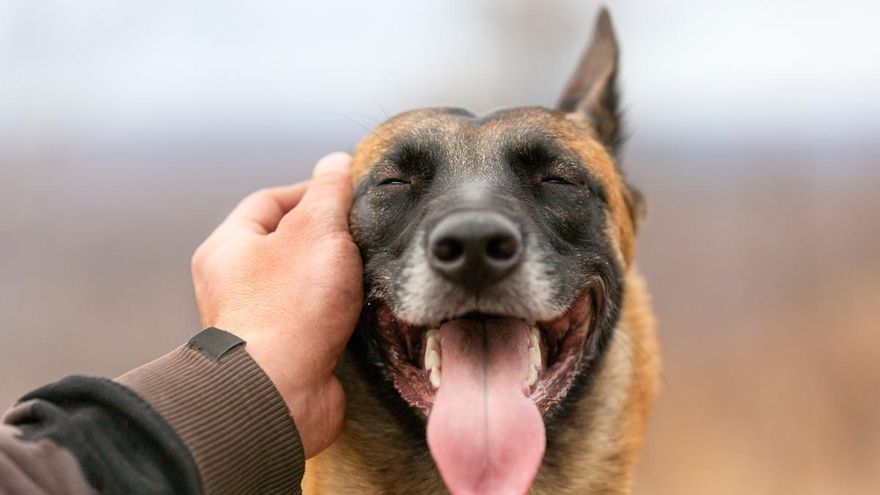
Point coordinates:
[(329, 195), (339, 162)]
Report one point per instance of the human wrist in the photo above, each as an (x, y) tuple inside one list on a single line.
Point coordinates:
[(212, 393)]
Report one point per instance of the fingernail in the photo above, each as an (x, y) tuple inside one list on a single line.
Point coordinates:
[(334, 162)]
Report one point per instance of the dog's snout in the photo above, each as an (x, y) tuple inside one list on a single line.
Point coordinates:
[(475, 249)]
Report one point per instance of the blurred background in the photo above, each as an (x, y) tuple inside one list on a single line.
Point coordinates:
[(129, 129)]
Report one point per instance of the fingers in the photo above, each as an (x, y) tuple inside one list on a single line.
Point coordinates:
[(260, 212), (329, 195)]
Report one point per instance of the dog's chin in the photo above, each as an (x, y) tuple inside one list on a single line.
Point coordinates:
[(412, 355)]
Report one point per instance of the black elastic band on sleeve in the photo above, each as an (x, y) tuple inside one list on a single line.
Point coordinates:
[(213, 343)]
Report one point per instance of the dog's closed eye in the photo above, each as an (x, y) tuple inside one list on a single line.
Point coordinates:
[(393, 181), (557, 180)]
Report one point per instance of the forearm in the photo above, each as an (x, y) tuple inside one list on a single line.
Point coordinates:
[(203, 418)]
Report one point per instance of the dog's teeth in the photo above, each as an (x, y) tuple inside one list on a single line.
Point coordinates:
[(534, 337), (435, 377), (535, 348), (433, 340), (432, 356), (432, 359), (535, 356)]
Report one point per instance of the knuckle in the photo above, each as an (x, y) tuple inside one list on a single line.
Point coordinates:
[(259, 194), (260, 198), (344, 247)]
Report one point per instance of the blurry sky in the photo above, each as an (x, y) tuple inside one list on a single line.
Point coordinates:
[(128, 129), (82, 72)]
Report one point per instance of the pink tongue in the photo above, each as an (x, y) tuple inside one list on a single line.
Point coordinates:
[(485, 435)]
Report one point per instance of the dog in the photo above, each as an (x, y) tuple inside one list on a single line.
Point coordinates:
[(507, 343)]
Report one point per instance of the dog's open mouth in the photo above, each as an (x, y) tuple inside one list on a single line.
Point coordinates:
[(484, 382), (414, 355)]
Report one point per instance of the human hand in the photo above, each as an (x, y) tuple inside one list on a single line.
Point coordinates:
[(283, 273)]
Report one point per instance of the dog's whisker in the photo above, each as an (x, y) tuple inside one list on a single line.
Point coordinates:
[(372, 119), (380, 107), (350, 119)]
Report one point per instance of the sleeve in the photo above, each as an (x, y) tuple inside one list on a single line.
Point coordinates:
[(204, 418)]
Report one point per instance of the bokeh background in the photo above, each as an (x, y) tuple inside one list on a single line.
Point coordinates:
[(128, 130)]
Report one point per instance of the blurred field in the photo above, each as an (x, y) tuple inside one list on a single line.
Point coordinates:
[(767, 287), (127, 132)]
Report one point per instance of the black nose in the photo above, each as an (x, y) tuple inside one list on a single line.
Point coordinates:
[(475, 248)]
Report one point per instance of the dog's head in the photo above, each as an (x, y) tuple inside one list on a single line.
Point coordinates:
[(494, 250)]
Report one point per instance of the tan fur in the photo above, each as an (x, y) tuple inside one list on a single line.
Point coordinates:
[(597, 445)]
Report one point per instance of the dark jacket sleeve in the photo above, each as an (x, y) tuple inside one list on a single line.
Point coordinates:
[(204, 418)]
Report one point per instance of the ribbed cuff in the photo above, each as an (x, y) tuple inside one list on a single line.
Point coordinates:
[(227, 412)]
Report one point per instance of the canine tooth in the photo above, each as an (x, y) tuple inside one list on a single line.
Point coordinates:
[(533, 374), (433, 341), (432, 359), (435, 377), (534, 337), (535, 356)]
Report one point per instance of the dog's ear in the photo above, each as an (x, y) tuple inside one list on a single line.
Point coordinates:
[(592, 90), (635, 204)]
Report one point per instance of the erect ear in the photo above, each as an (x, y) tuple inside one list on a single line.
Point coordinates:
[(592, 90), (635, 204)]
